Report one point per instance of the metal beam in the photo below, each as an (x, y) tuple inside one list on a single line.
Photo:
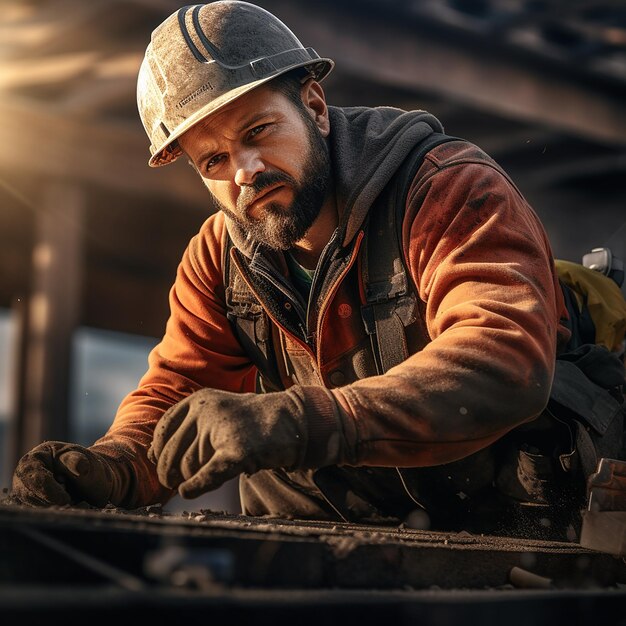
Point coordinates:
[(52, 23), (47, 71), (582, 168), (407, 56), (112, 155), (47, 28), (70, 68), (91, 98)]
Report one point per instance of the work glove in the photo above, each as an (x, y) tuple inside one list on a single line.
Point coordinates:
[(63, 473), (213, 436)]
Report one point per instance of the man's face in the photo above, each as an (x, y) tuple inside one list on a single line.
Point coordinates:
[(266, 164)]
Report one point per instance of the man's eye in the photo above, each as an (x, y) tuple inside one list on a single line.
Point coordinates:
[(256, 130), (213, 161)]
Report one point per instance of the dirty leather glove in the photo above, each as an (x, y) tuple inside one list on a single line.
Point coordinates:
[(213, 436), (63, 473)]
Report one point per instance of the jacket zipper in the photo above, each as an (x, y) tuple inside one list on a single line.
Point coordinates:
[(331, 293), (305, 346), (323, 307), (282, 287), (318, 273)]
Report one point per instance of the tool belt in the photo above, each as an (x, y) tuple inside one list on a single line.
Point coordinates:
[(546, 464)]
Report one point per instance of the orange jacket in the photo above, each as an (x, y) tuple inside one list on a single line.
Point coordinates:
[(483, 363)]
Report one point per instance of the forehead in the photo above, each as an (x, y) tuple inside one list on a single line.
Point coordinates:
[(236, 115)]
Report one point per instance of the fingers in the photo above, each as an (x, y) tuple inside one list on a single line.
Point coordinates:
[(197, 455), (57, 473), (178, 447), (75, 463), (43, 490), (214, 474), (36, 481), (168, 424), (86, 478)]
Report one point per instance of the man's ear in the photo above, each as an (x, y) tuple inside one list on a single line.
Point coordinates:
[(314, 100)]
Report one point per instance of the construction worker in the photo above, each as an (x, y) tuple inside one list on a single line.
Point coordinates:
[(366, 327)]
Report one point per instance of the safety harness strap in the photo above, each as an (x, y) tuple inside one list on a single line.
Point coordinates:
[(391, 304), (249, 321)]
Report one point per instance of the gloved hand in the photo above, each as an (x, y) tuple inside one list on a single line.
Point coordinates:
[(63, 473), (212, 436)]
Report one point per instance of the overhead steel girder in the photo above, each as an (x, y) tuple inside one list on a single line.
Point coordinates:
[(411, 57), (44, 143)]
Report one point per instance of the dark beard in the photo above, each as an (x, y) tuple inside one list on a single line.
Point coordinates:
[(280, 228)]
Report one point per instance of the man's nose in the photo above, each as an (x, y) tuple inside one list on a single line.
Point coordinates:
[(248, 164)]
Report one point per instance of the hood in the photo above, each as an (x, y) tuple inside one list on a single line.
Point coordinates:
[(367, 145)]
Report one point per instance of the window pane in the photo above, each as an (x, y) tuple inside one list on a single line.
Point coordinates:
[(107, 366)]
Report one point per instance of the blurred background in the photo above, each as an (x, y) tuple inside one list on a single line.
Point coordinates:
[(90, 236)]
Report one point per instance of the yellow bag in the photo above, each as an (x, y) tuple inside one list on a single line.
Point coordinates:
[(601, 297)]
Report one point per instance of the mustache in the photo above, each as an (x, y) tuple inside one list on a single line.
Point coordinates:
[(248, 193)]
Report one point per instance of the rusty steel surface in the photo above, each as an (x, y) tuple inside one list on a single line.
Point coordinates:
[(72, 562)]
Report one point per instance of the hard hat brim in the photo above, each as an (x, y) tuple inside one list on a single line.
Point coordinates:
[(169, 150)]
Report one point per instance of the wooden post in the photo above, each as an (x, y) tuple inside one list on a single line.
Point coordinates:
[(53, 314), (14, 430)]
